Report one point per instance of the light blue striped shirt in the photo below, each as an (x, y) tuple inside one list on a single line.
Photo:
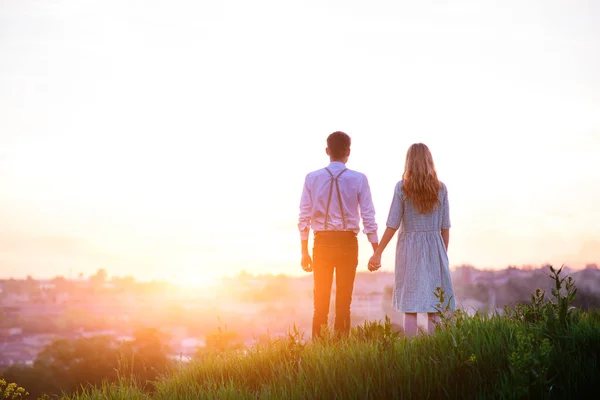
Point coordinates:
[(356, 202)]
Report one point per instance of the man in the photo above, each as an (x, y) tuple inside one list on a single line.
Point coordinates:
[(333, 201)]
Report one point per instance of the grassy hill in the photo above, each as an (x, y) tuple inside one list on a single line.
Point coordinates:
[(542, 350)]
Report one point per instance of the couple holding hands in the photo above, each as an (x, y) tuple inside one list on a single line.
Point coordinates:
[(333, 201)]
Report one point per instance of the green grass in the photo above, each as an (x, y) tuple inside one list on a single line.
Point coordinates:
[(480, 357), (541, 351)]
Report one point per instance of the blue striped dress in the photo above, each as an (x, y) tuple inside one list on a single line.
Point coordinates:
[(421, 257)]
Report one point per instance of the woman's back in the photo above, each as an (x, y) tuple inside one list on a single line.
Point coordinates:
[(405, 215)]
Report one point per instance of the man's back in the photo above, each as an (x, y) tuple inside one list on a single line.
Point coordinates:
[(320, 199)]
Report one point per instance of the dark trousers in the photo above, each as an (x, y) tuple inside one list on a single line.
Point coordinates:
[(334, 250)]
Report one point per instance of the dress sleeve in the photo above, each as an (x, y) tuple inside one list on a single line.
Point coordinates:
[(445, 210), (396, 209)]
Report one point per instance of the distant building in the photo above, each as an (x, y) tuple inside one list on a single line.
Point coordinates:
[(463, 275), (11, 331)]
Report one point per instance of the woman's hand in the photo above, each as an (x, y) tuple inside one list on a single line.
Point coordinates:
[(375, 262)]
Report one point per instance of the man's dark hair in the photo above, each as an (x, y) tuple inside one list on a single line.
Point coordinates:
[(338, 144)]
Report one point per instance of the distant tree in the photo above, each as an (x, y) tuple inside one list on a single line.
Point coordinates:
[(60, 282), (221, 340), (125, 284), (68, 365), (147, 355), (97, 280), (71, 363)]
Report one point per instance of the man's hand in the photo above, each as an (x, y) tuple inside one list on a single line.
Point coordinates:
[(374, 262), (306, 262)]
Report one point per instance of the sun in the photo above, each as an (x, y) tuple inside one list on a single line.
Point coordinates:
[(195, 280)]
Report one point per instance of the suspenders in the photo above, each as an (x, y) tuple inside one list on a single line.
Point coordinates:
[(337, 187)]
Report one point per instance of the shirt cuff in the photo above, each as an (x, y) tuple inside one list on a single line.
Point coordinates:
[(373, 237)]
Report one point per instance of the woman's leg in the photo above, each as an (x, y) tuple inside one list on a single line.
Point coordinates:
[(410, 324), (432, 320)]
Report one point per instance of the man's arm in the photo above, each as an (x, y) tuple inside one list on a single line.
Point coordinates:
[(306, 261), (367, 212), (304, 225)]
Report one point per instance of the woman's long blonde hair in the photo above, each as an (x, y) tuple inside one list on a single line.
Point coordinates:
[(421, 184)]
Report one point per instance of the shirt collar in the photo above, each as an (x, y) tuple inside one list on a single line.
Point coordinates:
[(336, 165)]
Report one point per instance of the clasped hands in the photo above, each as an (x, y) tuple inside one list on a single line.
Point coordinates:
[(374, 262)]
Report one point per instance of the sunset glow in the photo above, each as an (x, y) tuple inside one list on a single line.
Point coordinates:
[(170, 140)]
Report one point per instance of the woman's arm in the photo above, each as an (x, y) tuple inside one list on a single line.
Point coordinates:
[(375, 261), (387, 236), (446, 237), (393, 223), (445, 219)]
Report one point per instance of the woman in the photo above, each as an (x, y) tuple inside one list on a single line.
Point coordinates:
[(420, 209)]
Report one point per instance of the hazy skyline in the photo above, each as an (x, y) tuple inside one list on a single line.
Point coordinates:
[(165, 139)]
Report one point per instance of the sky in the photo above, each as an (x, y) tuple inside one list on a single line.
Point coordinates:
[(170, 139)]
